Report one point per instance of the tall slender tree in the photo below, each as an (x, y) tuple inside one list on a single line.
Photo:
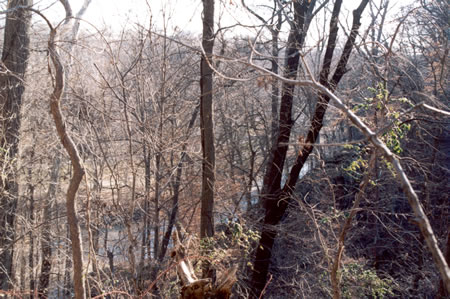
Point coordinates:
[(15, 55), (206, 121), (70, 147), (207, 125)]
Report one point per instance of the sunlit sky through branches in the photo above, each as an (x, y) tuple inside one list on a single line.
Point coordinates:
[(175, 15), (178, 15), (184, 17)]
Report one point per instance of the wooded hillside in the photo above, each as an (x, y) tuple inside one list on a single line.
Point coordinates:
[(300, 150)]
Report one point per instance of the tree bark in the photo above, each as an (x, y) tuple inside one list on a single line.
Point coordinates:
[(14, 59), (78, 170), (272, 178), (69, 145), (31, 199), (46, 243), (275, 198), (206, 122), (207, 128)]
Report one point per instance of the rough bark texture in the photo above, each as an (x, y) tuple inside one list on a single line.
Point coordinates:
[(14, 62), (276, 198), (78, 170), (206, 122)]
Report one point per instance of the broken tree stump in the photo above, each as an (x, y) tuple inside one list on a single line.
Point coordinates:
[(195, 288)]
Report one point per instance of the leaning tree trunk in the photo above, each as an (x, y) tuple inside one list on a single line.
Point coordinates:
[(443, 289), (206, 125), (14, 59), (176, 192)]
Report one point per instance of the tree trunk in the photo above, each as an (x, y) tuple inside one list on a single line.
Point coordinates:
[(145, 245), (276, 198), (30, 196), (14, 58), (78, 170), (274, 67), (206, 122), (46, 243), (158, 178), (206, 126), (70, 147), (443, 291), (272, 178), (176, 192)]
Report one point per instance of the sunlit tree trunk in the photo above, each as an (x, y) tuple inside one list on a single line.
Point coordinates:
[(77, 169)]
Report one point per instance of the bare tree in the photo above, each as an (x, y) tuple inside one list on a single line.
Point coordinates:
[(275, 197), (78, 169), (14, 63), (275, 23), (130, 108), (206, 124), (69, 145), (272, 178)]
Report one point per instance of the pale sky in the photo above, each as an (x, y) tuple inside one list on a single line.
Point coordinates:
[(182, 15)]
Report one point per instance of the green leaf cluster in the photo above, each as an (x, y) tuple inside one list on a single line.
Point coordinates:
[(360, 282), (234, 237)]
